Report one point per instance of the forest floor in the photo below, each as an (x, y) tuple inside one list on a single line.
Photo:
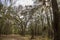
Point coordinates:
[(19, 37)]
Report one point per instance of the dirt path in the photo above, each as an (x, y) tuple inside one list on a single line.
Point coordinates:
[(18, 37), (11, 37)]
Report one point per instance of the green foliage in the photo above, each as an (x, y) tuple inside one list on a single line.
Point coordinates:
[(36, 21)]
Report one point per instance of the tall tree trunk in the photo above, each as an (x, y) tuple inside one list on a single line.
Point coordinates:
[(56, 16)]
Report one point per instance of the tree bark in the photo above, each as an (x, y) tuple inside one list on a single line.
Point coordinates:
[(56, 18)]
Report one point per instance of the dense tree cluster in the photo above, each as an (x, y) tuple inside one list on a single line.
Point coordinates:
[(40, 19)]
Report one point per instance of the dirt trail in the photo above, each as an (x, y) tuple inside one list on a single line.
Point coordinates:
[(11, 37), (19, 37)]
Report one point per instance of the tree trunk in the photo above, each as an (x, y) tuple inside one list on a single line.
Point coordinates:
[(56, 16)]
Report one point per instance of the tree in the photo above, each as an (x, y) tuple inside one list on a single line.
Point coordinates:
[(56, 16), (1, 5)]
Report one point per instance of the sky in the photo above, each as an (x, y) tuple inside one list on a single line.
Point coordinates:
[(24, 2), (21, 2)]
